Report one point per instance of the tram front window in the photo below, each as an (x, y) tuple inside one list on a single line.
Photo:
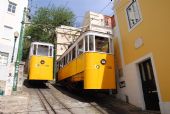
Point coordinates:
[(102, 44), (42, 50), (91, 43)]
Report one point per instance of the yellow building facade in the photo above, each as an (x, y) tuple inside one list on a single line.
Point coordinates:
[(142, 46)]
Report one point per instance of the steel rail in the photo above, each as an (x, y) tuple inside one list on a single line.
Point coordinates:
[(42, 101), (65, 107), (101, 111)]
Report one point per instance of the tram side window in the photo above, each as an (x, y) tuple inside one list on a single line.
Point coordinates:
[(86, 43), (74, 53), (80, 47), (102, 44), (42, 50), (65, 60), (58, 65), (34, 49), (51, 52), (91, 43), (70, 55), (68, 58), (62, 63)]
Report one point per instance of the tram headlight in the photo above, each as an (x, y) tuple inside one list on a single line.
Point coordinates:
[(42, 61), (97, 66), (103, 61)]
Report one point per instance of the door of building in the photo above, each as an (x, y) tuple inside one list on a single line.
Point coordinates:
[(149, 85)]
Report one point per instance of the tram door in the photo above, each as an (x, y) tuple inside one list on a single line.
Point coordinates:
[(149, 85)]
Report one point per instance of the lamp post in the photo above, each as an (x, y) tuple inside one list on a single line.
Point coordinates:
[(19, 54), (16, 34)]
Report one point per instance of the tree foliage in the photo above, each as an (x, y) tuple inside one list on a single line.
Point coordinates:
[(44, 22)]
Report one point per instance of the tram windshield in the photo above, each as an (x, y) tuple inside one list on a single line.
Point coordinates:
[(102, 44), (42, 50)]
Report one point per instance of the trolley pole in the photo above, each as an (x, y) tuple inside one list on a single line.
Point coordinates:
[(19, 54)]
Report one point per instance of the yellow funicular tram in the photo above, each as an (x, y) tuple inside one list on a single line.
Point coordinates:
[(90, 61), (40, 64)]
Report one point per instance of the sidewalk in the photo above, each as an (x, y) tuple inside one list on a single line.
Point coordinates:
[(16, 103)]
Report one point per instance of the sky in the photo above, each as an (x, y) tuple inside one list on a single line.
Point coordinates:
[(79, 7)]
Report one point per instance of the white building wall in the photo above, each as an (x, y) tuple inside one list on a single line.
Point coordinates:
[(12, 20), (93, 18), (97, 22), (133, 85)]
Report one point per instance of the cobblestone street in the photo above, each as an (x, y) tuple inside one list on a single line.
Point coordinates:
[(52, 99)]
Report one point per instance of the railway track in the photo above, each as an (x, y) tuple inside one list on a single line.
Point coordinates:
[(45, 103), (91, 104), (45, 95), (51, 101)]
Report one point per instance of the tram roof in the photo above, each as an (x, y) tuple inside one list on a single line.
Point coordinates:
[(42, 43), (107, 35)]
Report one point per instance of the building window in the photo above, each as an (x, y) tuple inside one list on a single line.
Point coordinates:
[(106, 22), (12, 7), (8, 32), (133, 14), (3, 59)]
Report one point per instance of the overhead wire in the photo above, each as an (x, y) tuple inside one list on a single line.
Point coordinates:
[(92, 19), (77, 16), (67, 2), (105, 7), (49, 4), (85, 27)]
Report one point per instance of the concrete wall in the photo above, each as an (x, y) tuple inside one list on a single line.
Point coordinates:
[(153, 30)]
